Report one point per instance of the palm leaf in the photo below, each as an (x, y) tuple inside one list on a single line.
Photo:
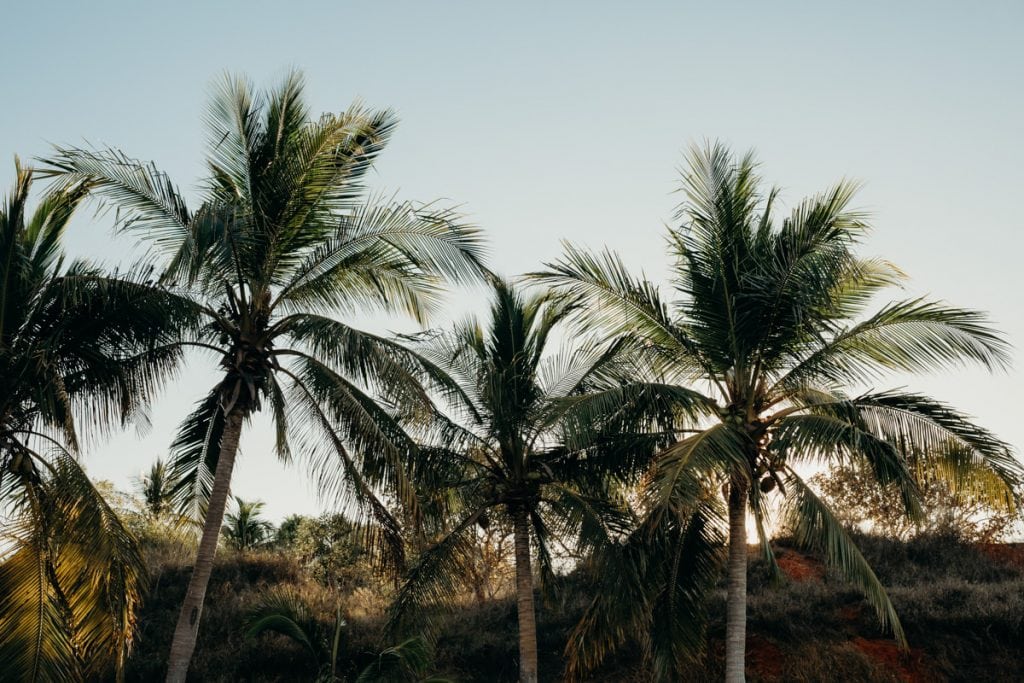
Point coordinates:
[(815, 526)]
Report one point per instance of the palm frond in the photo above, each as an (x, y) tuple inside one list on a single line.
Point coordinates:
[(193, 457), (616, 301), (434, 578), (909, 336), (71, 583), (406, 661), (387, 256), (679, 477), (286, 613), (651, 586), (152, 205), (814, 526)]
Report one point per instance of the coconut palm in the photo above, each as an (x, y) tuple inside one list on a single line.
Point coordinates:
[(75, 360), (245, 529), (283, 241), (504, 450), (156, 488), (772, 327)]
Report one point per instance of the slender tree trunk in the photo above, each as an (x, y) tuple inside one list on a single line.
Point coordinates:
[(736, 601), (184, 642), (524, 600)]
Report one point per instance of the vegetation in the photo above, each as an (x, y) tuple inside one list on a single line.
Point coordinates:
[(509, 453), (157, 490), (751, 370), (860, 503), (286, 614), (283, 240), (588, 438), (244, 528), (76, 356), (960, 607)]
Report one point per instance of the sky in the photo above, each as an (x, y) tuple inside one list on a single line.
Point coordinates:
[(568, 121)]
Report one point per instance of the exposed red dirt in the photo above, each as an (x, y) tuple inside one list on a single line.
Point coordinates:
[(799, 567), (1010, 553), (850, 613), (910, 667), (765, 658)]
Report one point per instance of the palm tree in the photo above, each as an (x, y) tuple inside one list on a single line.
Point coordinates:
[(508, 451), (75, 359), (771, 333), (157, 496), (283, 240), (245, 529)]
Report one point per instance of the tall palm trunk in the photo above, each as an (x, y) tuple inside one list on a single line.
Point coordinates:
[(184, 642), (524, 600), (736, 600)]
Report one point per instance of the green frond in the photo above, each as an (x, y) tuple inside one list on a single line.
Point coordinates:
[(906, 438), (406, 661), (279, 412), (434, 579), (38, 641), (616, 301), (193, 457), (653, 587), (396, 373), (70, 583), (909, 336), (153, 207), (679, 477), (362, 423), (387, 256), (588, 521), (815, 527), (346, 479), (841, 437), (286, 613)]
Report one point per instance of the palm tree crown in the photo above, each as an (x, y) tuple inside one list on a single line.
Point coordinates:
[(245, 529), (80, 351), (770, 332), (283, 240), (506, 449), (155, 486)]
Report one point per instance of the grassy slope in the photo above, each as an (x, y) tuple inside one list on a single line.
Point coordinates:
[(962, 610)]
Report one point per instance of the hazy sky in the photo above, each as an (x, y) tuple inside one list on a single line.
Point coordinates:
[(548, 122)]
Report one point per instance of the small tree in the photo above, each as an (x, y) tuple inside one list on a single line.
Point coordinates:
[(288, 530), (245, 529), (157, 491), (332, 549), (855, 497)]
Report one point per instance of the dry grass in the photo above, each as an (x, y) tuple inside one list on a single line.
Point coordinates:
[(962, 610)]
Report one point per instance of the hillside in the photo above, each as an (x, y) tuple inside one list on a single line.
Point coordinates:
[(961, 605)]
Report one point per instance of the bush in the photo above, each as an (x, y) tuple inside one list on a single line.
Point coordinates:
[(855, 496), (962, 611)]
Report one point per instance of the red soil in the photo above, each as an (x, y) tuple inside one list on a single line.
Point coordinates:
[(850, 613), (765, 657), (910, 666), (1010, 553), (799, 567)]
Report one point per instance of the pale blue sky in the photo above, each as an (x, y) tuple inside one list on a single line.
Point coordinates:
[(549, 121)]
